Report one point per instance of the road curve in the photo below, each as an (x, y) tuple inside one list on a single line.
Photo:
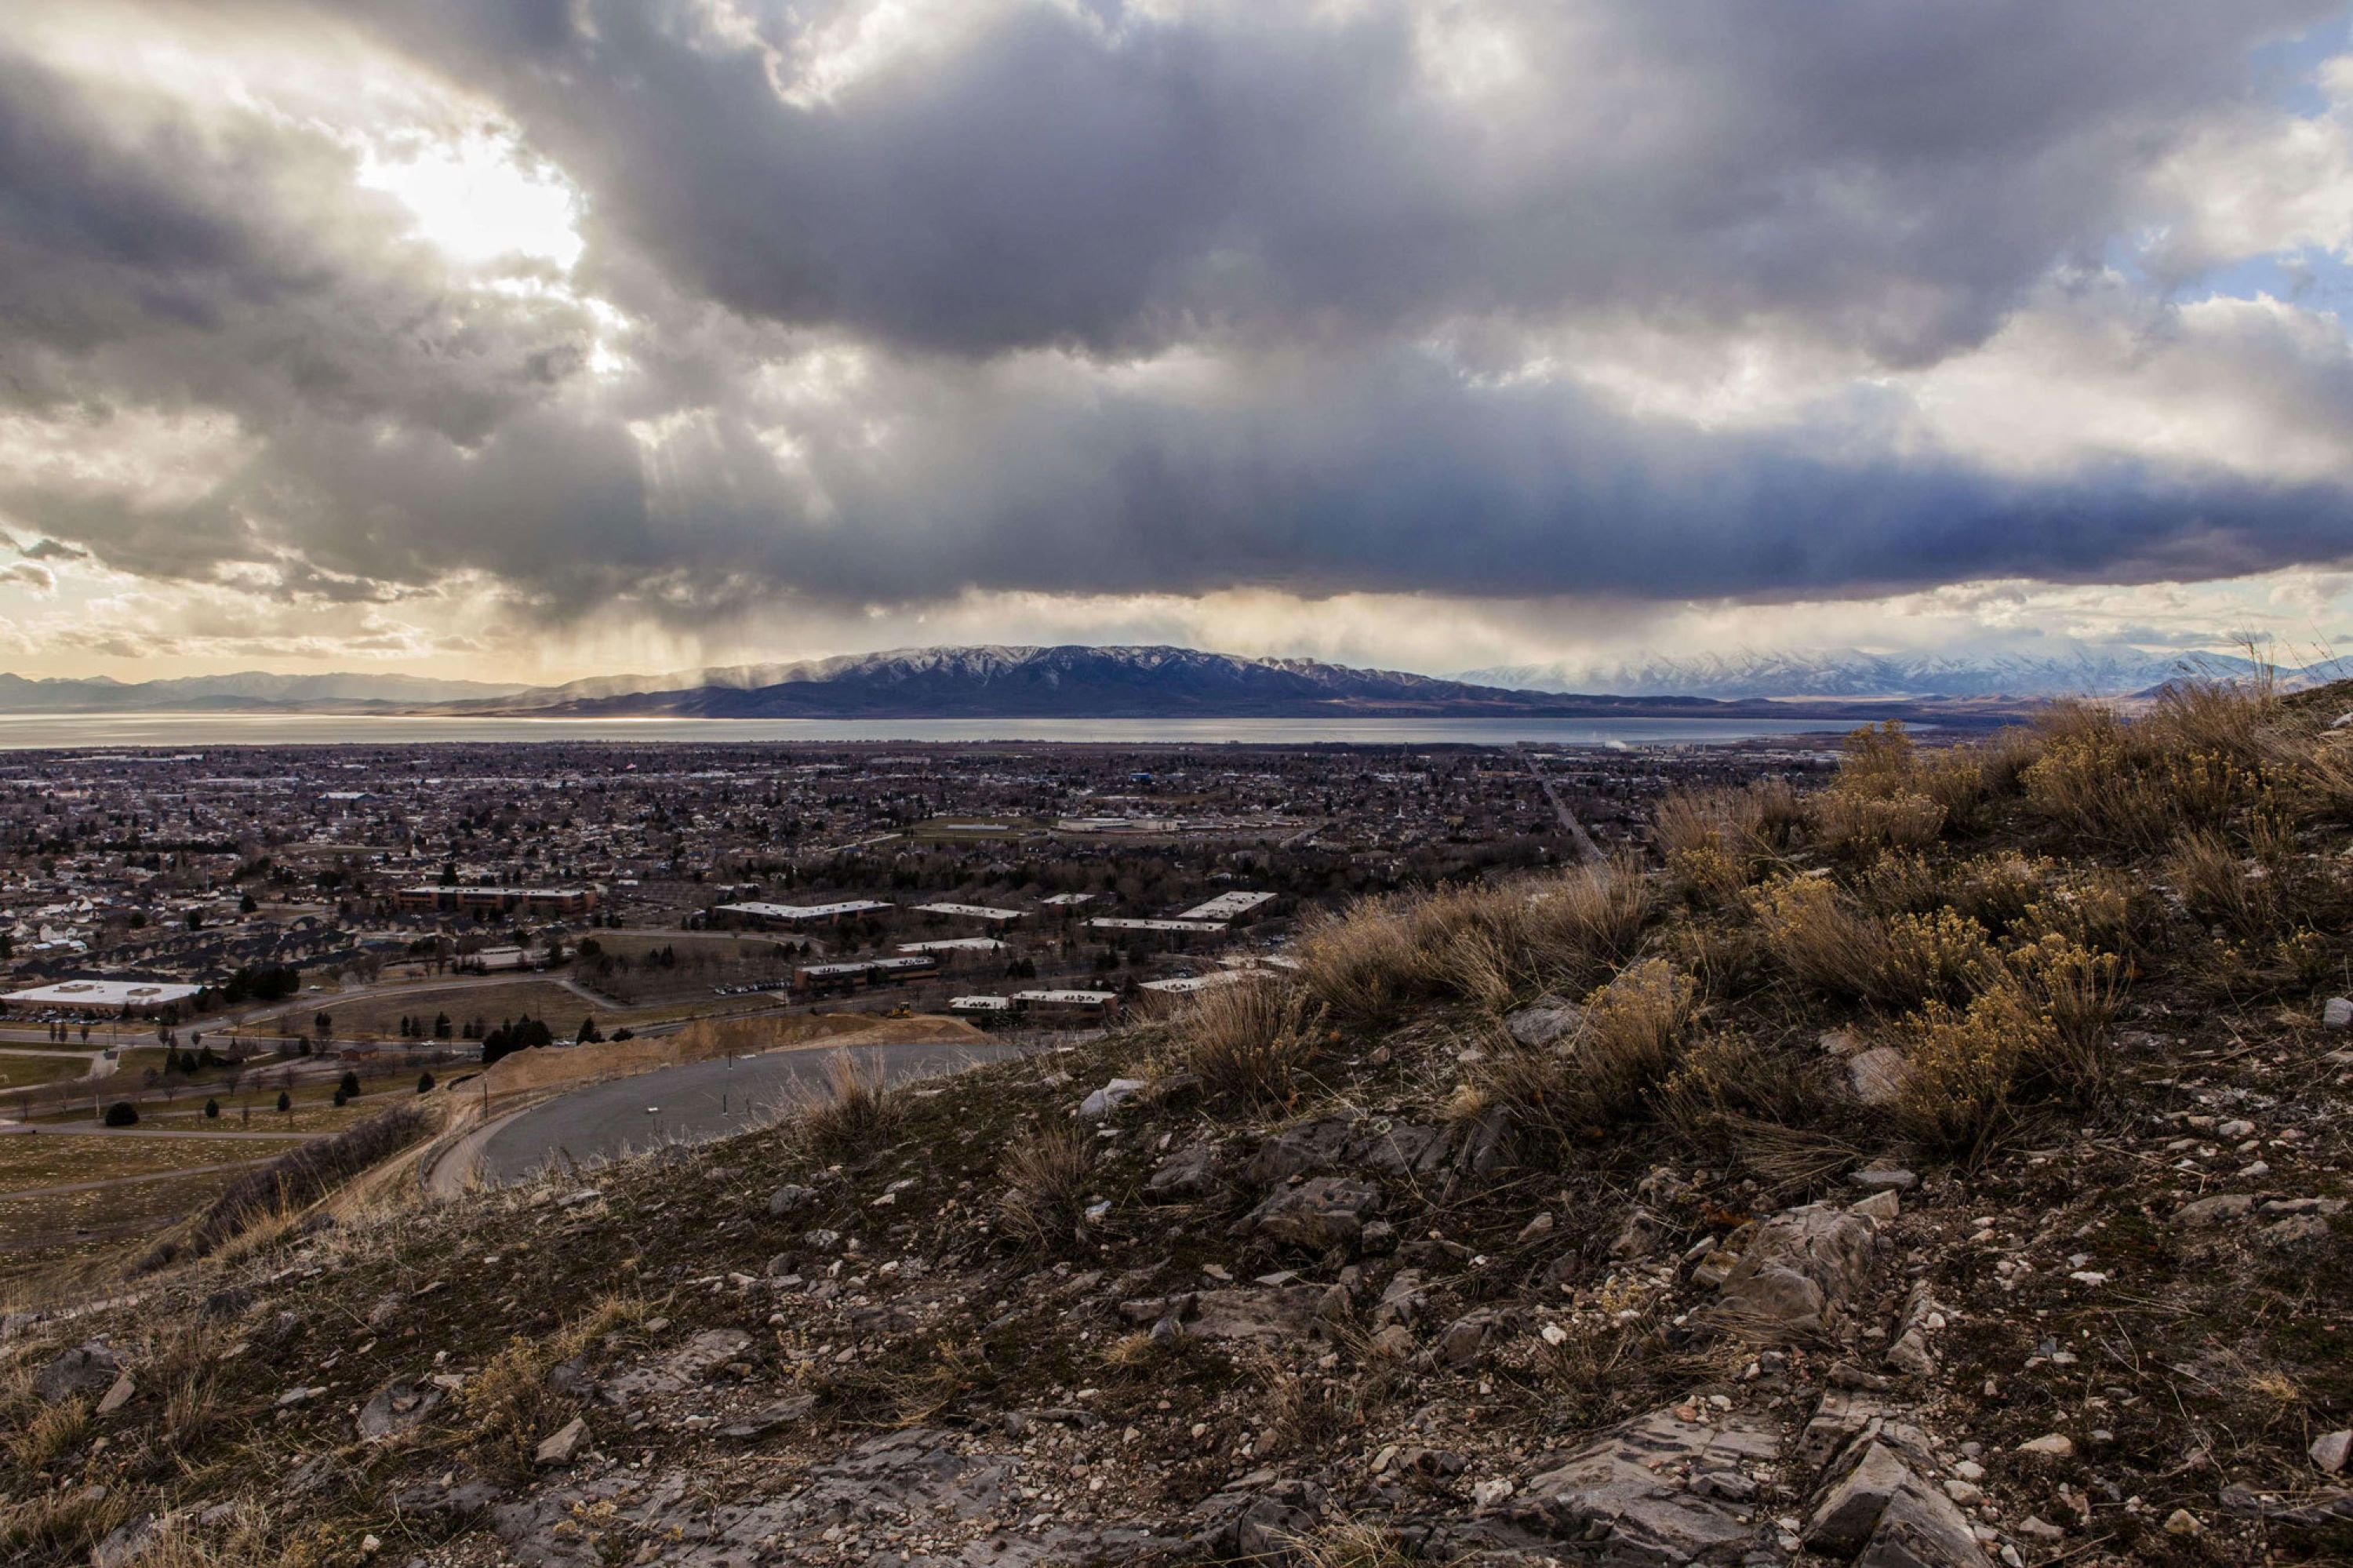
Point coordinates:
[(691, 1103)]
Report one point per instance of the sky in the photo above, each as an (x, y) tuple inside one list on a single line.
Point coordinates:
[(526, 339)]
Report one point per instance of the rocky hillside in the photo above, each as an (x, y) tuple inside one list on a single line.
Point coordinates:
[(1946, 1169)]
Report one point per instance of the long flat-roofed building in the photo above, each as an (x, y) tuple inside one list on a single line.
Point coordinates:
[(101, 996), (457, 898), (1166, 927), (1227, 905), (972, 912), (764, 916)]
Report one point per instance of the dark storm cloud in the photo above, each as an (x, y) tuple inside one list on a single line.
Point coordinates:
[(1889, 174), (1286, 194), (230, 263)]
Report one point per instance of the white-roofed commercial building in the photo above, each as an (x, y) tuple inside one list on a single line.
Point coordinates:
[(101, 996)]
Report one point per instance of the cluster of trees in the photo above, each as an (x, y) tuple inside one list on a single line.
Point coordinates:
[(267, 982), (523, 1033), (417, 1028), (201, 1059)]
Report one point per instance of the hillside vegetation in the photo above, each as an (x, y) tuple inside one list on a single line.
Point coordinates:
[(1945, 1168)]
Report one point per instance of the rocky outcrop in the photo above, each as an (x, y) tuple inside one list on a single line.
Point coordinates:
[(1325, 1212), (1797, 1272), (1661, 1489), (86, 1369)]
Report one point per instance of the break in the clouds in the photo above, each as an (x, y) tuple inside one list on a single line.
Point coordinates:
[(427, 324)]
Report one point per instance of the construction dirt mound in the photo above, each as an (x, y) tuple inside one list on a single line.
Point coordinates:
[(564, 1067)]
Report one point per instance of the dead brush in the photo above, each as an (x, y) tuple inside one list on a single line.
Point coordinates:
[(1857, 824), (2061, 998), (183, 1368), (2138, 785), (1820, 939), (1726, 1080), (1349, 1543), (50, 1433), (1626, 1046), (2104, 910), (1363, 963), (859, 1111), (2244, 896), (509, 1404), (61, 1525), (1593, 916), (1961, 1064), (1717, 841), (1248, 1042), (1830, 945), (2232, 718), (240, 1535), (1047, 1174), (1295, 1409), (1942, 953)]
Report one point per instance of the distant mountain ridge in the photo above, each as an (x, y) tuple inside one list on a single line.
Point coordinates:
[(2095, 669), (1071, 681), (251, 690), (1079, 681)]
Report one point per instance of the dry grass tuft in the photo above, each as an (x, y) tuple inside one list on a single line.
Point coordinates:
[(1350, 1544), (2040, 1023), (1046, 1175), (236, 1535), (1487, 944), (1624, 1050), (1717, 841), (2200, 757), (859, 1112), (49, 1434), (1853, 823), (1830, 945), (1962, 1064), (1362, 963), (1249, 1041), (61, 1526), (509, 1402), (1727, 1082)]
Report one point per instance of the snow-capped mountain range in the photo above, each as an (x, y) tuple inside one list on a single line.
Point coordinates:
[(2094, 670), (1079, 681)]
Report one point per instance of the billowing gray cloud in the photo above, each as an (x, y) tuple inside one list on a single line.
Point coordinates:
[(1098, 299), (1892, 174)]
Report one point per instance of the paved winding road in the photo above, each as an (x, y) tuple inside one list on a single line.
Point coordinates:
[(698, 1101)]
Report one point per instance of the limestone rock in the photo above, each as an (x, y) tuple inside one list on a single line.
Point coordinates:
[(789, 1199), (1882, 1514), (1797, 1272), (2213, 1211), (84, 1370), (1256, 1312), (397, 1406), (1878, 1075), (2331, 1450), (559, 1446), (1623, 1498), (1546, 1021), (1324, 1213), (118, 1395), (1110, 1098), (125, 1544), (1190, 1172), (1460, 1342)]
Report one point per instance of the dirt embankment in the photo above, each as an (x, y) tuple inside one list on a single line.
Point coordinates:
[(539, 1071)]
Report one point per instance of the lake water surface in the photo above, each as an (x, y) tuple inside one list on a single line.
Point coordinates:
[(23, 732)]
